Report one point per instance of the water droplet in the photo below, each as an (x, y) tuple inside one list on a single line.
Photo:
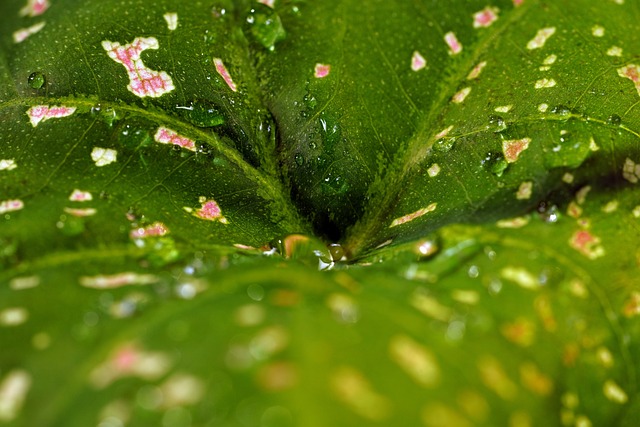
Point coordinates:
[(614, 120), (265, 26), (36, 80), (134, 134), (561, 110), (473, 271), (495, 163), (337, 252), (497, 123), (201, 113), (426, 248), (218, 12), (299, 159), (548, 212), (444, 145)]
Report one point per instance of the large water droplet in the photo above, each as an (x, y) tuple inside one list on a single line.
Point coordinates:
[(495, 163), (201, 113), (614, 120), (265, 26), (36, 80), (497, 123), (561, 110), (444, 145)]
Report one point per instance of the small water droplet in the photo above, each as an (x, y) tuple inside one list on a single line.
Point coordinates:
[(495, 163), (337, 252), (36, 80), (614, 120), (299, 159), (548, 212), (201, 113), (134, 134), (561, 110), (218, 12), (497, 123), (265, 26), (444, 145)]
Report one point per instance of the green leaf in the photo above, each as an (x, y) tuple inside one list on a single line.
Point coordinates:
[(300, 213)]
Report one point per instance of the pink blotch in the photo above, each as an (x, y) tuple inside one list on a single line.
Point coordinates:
[(80, 196), (210, 211), (125, 358), (513, 148), (35, 8), (321, 71), (455, 47), (269, 3), (40, 113), (224, 73), (167, 136), (417, 61), (517, 2), (156, 229), (587, 244), (631, 72), (11, 206), (485, 17), (444, 132), (143, 81)]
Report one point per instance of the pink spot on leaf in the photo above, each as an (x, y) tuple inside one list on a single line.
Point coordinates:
[(417, 61), (23, 33), (587, 244), (143, 81), (167, 136), (269, 3), (117, 280), (321, 71), (40, 113), (210, 211), (80, 196), (461, 95), (11, 206), (35, 8), (485, 17), (455, 47), (156, 229), (513, 148), (224, 73), (517, 2), (631, 72)]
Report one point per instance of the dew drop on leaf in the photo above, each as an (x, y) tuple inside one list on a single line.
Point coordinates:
[(444, 145), (497, 123), (495, 163), (614, 120), (561, 110), (299, 159), (201, 113), (36, 80), (265, 26)]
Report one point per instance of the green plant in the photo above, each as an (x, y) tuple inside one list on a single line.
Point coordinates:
[(319, 213)]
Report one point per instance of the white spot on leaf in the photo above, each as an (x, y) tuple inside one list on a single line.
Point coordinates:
[(455, 47), (80, 196), (545, 83), (224, 73), (117, 280), (172, 20), (597, 31), (321, 71), (35, 8), (460, 96), (614, 51), (80, 213), (475, 73), (415, 360), (631, 171), (614, 392), (7, 164), (167, 136), (521, 277), (525, 190), (11, 206), (103, 156), (434, 170), (417, 61), (541, 38), (486, 17), (417, 214), (13, 316), (26, 282)]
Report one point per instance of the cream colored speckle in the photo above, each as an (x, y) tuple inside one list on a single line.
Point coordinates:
[(541, 38), (517, 222), (353, 389), (415, 359), (13, 391), (13, 316), (459, 97), (543, 108), (605, 357), (41, 341), (521, 277), (550, 60), (181, 389), (597, 31), (592, 145), (614, 392), (614, 51), (434, 170), (172, 20), (7, 164), (568, 178), (494, 378), (103, 156), (636, 211), (583, 421), (631, 171), (524, 191), (410, 217), (503, 108), (26, 282), (582, 193), (444, 132), (610, 207), (475, 73), (249, 315), (430, 307), (463, 296), (545, 83)]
